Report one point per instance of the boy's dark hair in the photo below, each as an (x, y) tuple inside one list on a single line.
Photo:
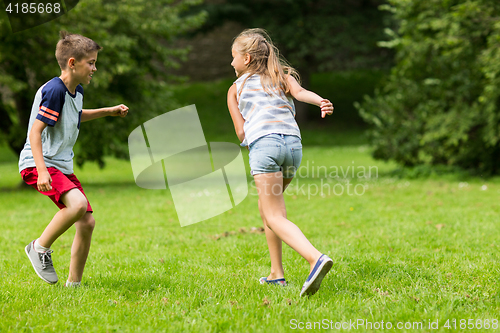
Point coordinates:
[(73, 45)]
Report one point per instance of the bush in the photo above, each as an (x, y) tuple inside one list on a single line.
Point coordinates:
[(344, 88), (135, 67), (440, 103)]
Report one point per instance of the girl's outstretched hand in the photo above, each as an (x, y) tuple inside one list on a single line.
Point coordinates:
[(326, 108)]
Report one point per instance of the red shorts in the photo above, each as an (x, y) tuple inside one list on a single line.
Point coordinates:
[(61, 184)]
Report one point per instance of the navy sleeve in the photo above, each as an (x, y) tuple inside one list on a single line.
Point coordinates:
[(52, 102), (79, 89)]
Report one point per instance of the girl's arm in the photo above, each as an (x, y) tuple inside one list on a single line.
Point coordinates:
[(306, 96), (238, 121), (118, 110), (44, 179)]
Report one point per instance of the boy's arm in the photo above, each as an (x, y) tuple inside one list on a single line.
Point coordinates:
[(238, 121), (91, 114), (44, 179), (306, 96)]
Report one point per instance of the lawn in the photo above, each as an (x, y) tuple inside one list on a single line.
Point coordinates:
[(406, 251), (421, 254)]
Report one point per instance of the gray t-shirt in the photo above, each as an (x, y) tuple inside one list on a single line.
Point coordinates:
[(62, 112)]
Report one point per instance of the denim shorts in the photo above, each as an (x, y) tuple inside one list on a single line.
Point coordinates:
[(276, 152)]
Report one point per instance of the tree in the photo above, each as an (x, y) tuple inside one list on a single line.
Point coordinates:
[(134, 67), (314, 35), (440, 104)]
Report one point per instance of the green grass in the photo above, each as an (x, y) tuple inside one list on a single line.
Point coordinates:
[(414, 250), (405, 250)]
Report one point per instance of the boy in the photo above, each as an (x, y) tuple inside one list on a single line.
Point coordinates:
[(46, 161)]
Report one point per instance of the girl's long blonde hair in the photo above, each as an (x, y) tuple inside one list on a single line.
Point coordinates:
[(265, 60)]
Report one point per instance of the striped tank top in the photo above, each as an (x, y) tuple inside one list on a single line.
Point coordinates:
[(263, 113)]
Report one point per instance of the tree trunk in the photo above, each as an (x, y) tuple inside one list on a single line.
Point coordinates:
[(6, 123), (17, 133)]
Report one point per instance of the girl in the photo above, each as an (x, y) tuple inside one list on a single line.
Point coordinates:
[(263, 114)]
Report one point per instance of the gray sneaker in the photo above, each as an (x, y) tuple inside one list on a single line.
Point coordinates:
[(42, 263)]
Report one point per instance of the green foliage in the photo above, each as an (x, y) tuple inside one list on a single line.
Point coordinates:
[(134, 67), (344, 88), (314, 35), (440, 103)]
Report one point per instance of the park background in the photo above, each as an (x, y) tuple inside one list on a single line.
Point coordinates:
[(415, 88)]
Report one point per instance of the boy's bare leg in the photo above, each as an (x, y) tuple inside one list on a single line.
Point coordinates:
[(274, 243), (81, 246), (272, 203), (76, 207)]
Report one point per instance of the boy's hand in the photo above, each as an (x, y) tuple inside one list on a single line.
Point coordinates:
[(326, 108), (44, 181), (119, 110)]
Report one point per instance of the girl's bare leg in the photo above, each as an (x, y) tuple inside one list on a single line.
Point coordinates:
[(274, 243), (273, 212)]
